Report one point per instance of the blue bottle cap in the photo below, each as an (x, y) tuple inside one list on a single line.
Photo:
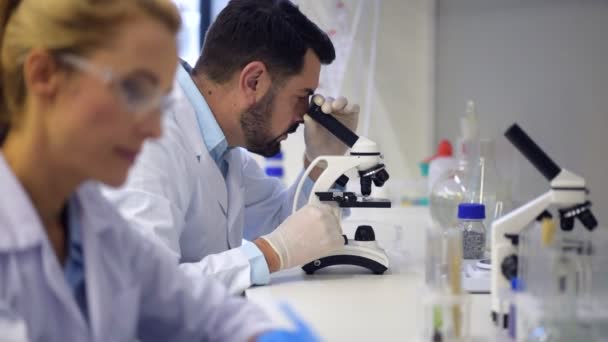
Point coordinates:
[(471, 211)]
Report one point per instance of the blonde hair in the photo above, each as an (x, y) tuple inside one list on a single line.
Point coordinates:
[(75, 26)]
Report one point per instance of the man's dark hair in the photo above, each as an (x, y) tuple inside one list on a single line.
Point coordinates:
[(274, 32)]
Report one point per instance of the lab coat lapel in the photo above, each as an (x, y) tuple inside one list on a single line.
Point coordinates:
[(110, 298), (96, 283), (236, 195), (186, 119), (215, 182), (58, 285)]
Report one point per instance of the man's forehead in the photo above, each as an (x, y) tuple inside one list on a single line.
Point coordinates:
[(308, 78), (302, 84)]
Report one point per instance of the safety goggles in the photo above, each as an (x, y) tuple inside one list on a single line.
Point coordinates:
[(139, 93)]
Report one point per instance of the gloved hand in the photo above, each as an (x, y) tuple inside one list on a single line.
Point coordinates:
[(319, 141), (306, 235), (302, 333)]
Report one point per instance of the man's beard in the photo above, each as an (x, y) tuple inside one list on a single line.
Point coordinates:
[(255, 123)]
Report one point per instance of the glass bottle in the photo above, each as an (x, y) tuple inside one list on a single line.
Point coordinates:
[(471, 216)]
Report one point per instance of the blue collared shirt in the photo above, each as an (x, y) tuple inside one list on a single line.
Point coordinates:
[(74, 265)]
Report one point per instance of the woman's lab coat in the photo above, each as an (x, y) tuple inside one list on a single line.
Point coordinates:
[(177, 193), (134, 289)]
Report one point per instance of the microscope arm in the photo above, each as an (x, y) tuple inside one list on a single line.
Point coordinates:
[(518, 219), (512, 223), (335, 166), (306, 174)]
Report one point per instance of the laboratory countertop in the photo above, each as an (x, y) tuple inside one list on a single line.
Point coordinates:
[(345, 303)]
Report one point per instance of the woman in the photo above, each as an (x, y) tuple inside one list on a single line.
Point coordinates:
[(83, 83)]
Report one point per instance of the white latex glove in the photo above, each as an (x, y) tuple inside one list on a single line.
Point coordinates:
[(308, 234), (319, 141)]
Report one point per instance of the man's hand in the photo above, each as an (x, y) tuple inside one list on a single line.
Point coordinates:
[(319, 141), (310, 233), (272, 258)]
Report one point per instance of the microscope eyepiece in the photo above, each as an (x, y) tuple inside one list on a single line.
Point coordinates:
[(338, 129), (545, 165)]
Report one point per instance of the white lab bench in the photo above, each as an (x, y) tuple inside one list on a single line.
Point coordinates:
[(348, 304)]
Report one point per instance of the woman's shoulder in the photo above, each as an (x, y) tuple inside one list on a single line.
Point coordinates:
[(102, 216), (99, 214)]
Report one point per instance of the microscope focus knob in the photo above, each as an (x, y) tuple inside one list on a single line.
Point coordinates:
[(509, 266), (365, 233)]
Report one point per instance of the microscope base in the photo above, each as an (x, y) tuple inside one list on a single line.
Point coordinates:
[(374, 259)]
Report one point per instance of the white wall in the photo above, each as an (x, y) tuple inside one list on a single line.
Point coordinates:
[(542, 63), (402, 93), (188, 38)]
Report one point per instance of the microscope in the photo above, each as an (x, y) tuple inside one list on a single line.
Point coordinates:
[(365, 161), (568, 193)]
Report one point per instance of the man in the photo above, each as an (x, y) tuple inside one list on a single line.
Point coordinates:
[(198, 191)]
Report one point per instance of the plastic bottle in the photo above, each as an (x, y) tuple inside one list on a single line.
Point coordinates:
[(471, 216), (441, 162)]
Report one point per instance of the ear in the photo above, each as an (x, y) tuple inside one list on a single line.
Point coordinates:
[(41, 74), (254, 81)]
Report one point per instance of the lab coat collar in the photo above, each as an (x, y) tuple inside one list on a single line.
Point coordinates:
[(22, 225), (184, 114), (210, 130), (23, 228), (95, 215)]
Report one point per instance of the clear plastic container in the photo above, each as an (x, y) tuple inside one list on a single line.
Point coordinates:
[(443, 260), (471, 216), (446, 317), (433, 255), (565, 286)]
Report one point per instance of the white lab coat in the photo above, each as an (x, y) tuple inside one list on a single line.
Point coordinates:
[(177, 193), (134, 289)]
